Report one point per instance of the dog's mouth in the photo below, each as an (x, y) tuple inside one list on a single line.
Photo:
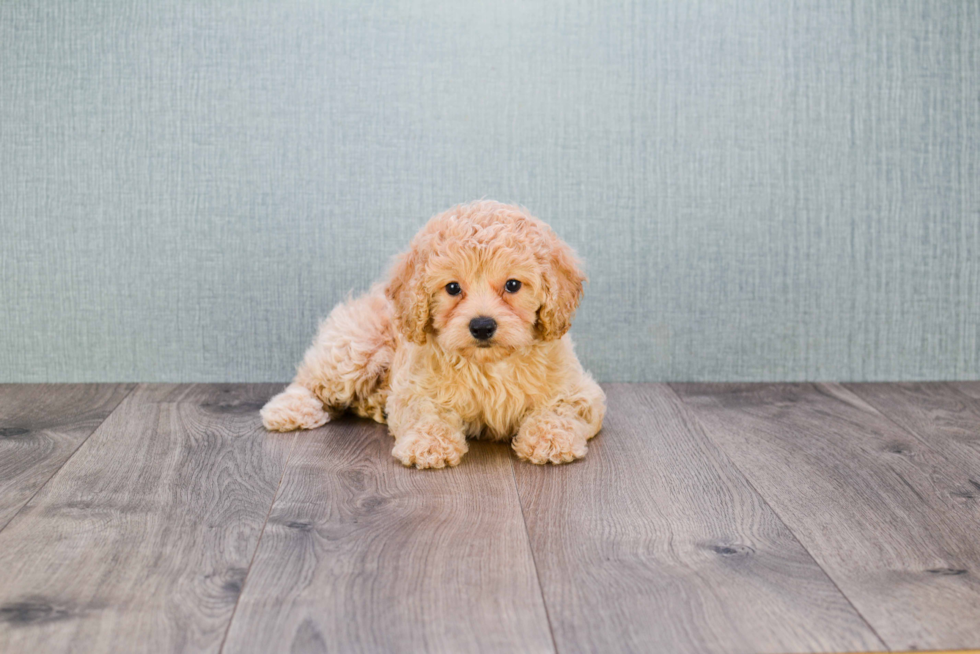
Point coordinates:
[(484, 345)]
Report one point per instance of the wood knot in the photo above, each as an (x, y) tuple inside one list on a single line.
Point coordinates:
[(372, 503), (31, 611), (235, 579), (232, 408), (732, 550)]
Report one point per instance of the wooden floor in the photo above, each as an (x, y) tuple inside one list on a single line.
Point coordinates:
[(705, 518)]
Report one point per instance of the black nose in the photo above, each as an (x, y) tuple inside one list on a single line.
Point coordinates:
[(483, 327)]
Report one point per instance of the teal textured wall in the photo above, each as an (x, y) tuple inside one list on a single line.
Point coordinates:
[(762, 189)]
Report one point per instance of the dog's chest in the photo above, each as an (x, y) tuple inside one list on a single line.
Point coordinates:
[(493, 400)]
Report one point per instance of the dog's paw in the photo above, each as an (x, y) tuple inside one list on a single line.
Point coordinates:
[(550, 441), (295, 408), (432, 447)]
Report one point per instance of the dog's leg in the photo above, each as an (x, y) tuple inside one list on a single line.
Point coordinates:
[(345, 368), (558, 431), (295, 408), (425, 436)]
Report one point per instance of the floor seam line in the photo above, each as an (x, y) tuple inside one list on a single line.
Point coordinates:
[(534, 561), (914, 433), (258, 543), (911, 432), (776, 513), (70, 456), (972, 401)]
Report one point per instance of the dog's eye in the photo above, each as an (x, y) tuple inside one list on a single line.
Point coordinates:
[(512, 286), (453, 288)]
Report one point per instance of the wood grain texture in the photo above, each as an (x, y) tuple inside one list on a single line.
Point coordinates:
[(41, 425), (968, 388), (143, 538), (878, 509), (938, 415), (362, 555), (656, 543)]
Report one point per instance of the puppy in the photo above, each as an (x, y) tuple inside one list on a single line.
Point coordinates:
[(466, 339)]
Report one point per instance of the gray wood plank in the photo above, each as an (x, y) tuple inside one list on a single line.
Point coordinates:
[(968, 388), (656, 543), (363, 555), (41, 425), (937, 414), (875, 506), (142, 540)]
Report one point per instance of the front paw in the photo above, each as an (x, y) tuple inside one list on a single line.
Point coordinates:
[(550, 441), (432, 447)]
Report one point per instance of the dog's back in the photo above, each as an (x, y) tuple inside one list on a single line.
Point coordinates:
[(345, 369), (347, 365)]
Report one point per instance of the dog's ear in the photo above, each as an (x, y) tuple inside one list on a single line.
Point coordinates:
[(408, 296), (563, 279)]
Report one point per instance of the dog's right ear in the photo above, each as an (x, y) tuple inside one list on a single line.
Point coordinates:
[(408, 296)]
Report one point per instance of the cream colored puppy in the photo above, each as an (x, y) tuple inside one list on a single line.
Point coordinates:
[(466, 339)]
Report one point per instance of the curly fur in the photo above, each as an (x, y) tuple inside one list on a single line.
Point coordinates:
[(403, 353)]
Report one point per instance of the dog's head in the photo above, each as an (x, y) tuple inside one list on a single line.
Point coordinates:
[(484, 279)]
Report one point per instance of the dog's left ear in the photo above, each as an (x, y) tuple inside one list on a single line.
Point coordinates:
[(563, 279)]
